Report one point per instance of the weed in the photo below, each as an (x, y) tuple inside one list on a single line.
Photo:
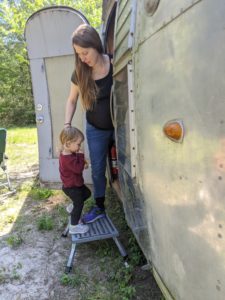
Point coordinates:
[(40, 193), (19, 265), (61, 210), (74, 280), (136, 255), (45, 223), (104, 249), (2, 277), (122, 277), (60, 215), (14, 241), (15, 275)]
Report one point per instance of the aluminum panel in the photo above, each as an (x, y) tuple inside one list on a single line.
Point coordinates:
[(52, 37), (166, 12), (180, 74)]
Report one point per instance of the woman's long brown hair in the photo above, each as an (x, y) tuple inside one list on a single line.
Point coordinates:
[(86, 36)]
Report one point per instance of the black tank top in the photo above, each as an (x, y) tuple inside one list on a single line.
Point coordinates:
[(100, 116)]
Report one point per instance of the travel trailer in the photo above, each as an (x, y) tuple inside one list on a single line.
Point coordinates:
[(168, 107)]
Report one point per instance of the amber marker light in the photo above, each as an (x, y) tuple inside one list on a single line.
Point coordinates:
[(174, 130)]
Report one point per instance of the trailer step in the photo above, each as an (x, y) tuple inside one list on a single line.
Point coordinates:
[(102, 228)]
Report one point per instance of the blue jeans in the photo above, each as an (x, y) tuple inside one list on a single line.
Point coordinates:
[(98, 143)]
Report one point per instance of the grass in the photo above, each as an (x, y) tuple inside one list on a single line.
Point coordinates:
[(22, 151), (24, 136), (38, 193), (45, 222), (75, 280), (14, 241), (21, 147)]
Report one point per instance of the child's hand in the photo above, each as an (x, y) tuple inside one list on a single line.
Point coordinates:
[(86, 164)]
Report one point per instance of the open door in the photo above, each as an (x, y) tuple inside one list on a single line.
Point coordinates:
[(109, 17), (48, 35)]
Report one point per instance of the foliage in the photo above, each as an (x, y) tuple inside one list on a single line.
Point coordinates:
[(16, 99), (75, 280), (45, 223), (14, 241), (40, 193)]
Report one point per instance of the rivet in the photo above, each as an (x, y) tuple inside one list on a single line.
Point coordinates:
[(218, 288), (151, 6)]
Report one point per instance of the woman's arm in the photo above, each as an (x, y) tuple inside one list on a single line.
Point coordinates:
[(71, 104)]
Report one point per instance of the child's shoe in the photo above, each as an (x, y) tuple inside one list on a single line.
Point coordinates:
[(69, 208), (94, 214), (79, 228)]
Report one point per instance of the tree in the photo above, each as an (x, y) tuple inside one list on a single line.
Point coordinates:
[(16, 101)]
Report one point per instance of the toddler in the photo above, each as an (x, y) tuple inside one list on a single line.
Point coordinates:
[(71, 166)]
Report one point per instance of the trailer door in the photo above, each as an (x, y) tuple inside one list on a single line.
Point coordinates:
[(48, 35)]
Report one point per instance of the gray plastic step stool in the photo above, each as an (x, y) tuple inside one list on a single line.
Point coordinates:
[(102, 228)]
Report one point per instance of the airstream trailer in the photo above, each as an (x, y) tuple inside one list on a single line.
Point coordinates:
[(168, 105), (169, 108)]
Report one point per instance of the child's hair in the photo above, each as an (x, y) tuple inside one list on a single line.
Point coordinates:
[(70, 134)]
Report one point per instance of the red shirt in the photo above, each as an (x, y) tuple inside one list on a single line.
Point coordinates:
[(71, 169)]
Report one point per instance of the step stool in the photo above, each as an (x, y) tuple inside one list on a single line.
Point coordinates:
[(101, 229)]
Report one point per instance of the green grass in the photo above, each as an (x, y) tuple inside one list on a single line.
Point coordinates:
[(75, 280), (25, 135), (40, 193), (22, 152), (21, 147), (14, 241), (45, 222)]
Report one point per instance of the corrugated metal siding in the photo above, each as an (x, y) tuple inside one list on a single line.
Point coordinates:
[(124, 29)]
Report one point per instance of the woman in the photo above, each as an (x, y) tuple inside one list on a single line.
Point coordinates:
[(92, 80)]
